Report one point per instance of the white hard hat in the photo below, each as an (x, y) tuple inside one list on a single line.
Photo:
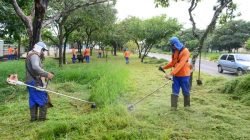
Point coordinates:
[(40, 46)]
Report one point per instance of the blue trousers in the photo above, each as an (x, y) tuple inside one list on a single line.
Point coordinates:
[(73, 58), (183, 83), (10, 57), (127, 60), (87, 59), (36, 97)]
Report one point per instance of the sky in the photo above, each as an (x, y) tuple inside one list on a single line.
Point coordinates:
[(203, 14)]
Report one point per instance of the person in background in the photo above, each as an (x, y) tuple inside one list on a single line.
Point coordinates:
[(86, 54), (10, 53), (74, 55), (126, 55), (180, 72), (15, 53), (38, 100), (99, 53)]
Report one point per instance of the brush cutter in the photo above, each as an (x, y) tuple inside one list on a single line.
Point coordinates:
[(161, 69), (14, 81), (131, 106), (169, 77)]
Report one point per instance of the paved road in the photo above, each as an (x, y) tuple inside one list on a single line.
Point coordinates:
[(208, 67)]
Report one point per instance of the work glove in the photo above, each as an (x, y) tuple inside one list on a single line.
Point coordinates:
[(169, 77), (50, 75)]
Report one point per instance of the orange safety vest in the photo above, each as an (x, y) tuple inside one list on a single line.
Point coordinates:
[(180, 63), (126, 54), (10, 51), (86, 52)]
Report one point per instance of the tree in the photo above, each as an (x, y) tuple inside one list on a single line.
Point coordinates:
[(33, 21), (133, 31), (231, 35), (64, 10), (156, 29), (148, 33), (9, 23), (96, 19), (34, 17), (188, 39), (248, 44), (131, 45)]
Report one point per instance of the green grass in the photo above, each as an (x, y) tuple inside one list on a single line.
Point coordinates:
[(211, 56), (239, 89), (155, 61), (113, 85)]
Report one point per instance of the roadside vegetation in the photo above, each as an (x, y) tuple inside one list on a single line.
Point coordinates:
[(113, 85), (239, 89)]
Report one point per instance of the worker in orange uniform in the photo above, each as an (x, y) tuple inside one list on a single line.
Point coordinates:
[(180, 72), (73, 55), (126, 55), (86, 54), (10, 53)]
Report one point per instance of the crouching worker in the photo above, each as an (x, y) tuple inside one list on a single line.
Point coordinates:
[(38, 100), (180, 72)]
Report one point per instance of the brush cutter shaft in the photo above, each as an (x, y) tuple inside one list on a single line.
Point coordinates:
[(43, 89), (69, 96), (149, 94)]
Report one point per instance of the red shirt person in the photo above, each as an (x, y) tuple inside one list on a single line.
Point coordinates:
[(86, 54)]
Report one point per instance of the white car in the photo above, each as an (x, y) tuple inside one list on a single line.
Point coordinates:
[(237, 63)]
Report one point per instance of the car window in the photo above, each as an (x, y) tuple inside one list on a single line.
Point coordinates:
[(223, 57), (231, 58), (243, 57)]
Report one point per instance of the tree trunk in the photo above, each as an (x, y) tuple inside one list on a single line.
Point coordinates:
[(106, 55), (115, 48), (209, 29), (88, 32), (142, 58), (64, 48), (30, 41), (79, 44), (91, 51), (146, 51), (139, 48), (102, 48), (33, 23), (19, 47), (40, 9), (60, 44)]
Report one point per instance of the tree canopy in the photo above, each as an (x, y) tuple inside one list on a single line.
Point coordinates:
[(231, 35)]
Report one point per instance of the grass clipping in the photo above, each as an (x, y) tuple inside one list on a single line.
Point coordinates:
[(239, 88)]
